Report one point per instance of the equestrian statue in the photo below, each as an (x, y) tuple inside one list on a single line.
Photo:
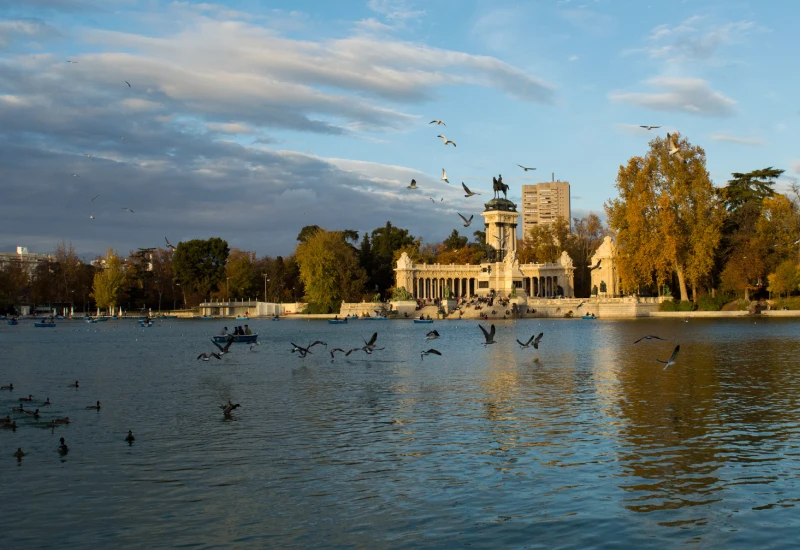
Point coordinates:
[(498, 186)]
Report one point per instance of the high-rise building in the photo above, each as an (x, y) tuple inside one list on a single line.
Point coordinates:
[(543, 202)]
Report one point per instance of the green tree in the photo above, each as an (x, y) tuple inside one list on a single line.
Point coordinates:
[(329, 270), (241, 276), (386, 241), (163, 278), (307, 232), (110, 282), (455, 241), (199, 266), (752, 186)]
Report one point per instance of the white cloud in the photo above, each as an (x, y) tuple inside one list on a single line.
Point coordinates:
[(30, 28), (138, 104), (796, 167), (573, 58), (733, 139), (230, 128), (395, 10), (686, 95)]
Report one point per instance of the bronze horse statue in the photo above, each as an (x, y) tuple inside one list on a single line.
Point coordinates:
[(498, 186)]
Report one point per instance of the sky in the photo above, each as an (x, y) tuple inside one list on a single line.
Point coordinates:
[(248, 119)]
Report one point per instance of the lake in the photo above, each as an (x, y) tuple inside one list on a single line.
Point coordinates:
[(593, 445)]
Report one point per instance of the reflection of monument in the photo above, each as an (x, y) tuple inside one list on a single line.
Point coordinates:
[(605, 276), (500, 273)]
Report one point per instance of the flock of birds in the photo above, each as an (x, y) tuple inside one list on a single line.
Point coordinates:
[(9, 423)]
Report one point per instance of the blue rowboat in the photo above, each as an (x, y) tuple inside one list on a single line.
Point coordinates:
[(276, 318), (374, 318), (12, 322), (243, 318), (44, 325), (91, 321), (337, 321), (206, 317), (421, 321), (239, 338), (588, 317)]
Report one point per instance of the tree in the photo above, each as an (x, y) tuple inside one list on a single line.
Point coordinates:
[(329, 270), (785, 279), (241, 276), (199, 265), (587, 236), (752, 186), (742, 271), (455, 241), (163, 279), (110, 282), (307, 232), (386, 241), (667, 218)]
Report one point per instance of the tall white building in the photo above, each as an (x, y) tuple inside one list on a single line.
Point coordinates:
[(27, 259), (543, 202)]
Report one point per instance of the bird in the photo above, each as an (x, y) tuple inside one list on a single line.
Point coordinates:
[(428, 352), (333, 351), (466, 221), (71, 61), (10, 387), (128, 83), (19, 454), (466, 190), (489, 335), (97, 195), (447, 141), (46, 402), (444, 176), (524, 168), (129, 438), (371, 344), (75, 385), (413, 185), (172, 248), (320, 342), (649, 337), (532, 340), (438, 122), (122, 138), (433, 201), (87, 155), (29, 398), (224, 349), (93, 407), (75, 175), (229, 408), (303, 351), (649, 127), (580, 305), (432, 335), (91, 216), (673, 148), (205, 356), (671, 360), (596, 266), (128, 209), (63, 449)]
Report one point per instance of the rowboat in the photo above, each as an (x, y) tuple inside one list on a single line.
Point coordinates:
[(420, 321), (337, 321), (101, 319), (589, 317), (243, 318), (239, 338), (374, 318), (92, 321), (12, 322), (44, 325), (206, 317), (143, 324), (169, 316)]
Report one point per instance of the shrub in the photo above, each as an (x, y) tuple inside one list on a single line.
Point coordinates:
[(707, 303), (675, 305), (314, 308)]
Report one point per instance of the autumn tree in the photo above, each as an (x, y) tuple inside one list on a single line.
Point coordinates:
[(241, 276), (330, 270), (667, 218), (109, 282), (586, 238), (785, 279)]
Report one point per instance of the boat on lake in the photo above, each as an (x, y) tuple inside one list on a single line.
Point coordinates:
[(243, 318), (337, 321), (44, 325), (12, 322), (91, 321), (421, 321), (589, 317), (238, 338), (375, 318)]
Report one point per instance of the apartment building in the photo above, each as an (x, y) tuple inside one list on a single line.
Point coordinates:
[(543, 202)]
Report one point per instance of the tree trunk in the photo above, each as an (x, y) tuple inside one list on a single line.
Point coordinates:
[(747, 294), (682, 284), (694, 293)]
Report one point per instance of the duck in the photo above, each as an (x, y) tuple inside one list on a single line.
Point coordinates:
[(64, 420), (12, 426), (46, 402), (63, 449), (5, 420), (34, 414), (130, 438), (29, 398), (10, 387), (75, 385), (19, 454), (230, 408), (94, 407), (19, 409)]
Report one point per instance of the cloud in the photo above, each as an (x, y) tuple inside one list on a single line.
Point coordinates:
[(733, 139), (32, 28), (681, 95), (230, 128), (573, 58), (395, 10), (796, 167)]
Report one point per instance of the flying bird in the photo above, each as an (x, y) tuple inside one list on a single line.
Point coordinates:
[(333, 351), (97, 195), (649, 337), (649, 127), (172, 248), (122, 138), (371, 344), (128, 209), (87, 155), (432, 335), (91, 217), (580, 305), (444, 176), (224, 349), (488, 335), (206, 356), (466, 221), (466, 190), (438, 122), (673, 148), (71, 61), (413, 185), (128, 83), (75, 175), (429, 352), (596, 266), (671, 361), (447, 141), (433, 201), (532, 340), (526, 169)]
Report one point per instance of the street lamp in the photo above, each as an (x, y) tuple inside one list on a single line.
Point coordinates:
[(227, 289), (265, 286)]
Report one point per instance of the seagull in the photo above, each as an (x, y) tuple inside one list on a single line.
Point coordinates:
[(532, 340), (466, 221), (446, 141), (649, 337), (649, 127), (71, 61), (430, 351), (526, 169), (128, 83), (333, 351), (580, 305), (75, 175), (413, 185), (94, 197), (433, 201), (596, 266), (488, 335), (671, 360), (438, 122), (205, 356), (122, 138), (128, 209), (444, 176), (673, 148), (172, 248), (432, 335), (91, 217), (87, 155), (466, 190), (224, 350)]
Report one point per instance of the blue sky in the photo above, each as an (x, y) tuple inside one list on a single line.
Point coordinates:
[(249, 119)]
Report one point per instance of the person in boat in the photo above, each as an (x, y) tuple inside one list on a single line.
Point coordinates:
[(236, 331), (224, 331), (241, 331), (336, 317), (247, 330)]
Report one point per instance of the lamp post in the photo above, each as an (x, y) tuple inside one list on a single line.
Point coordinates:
[(227, 289), (265, 286)]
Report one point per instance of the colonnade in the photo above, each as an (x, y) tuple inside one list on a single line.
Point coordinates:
[(541, 287), (430, 288)]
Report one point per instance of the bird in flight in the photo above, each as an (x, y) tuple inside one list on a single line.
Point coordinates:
[(447, 141), (333, 351), (649, 337), (649, 127), (429, 352), (444, 176), (122, 138), (437, 122), (97, 195), (371, 344), (87, 155), (596, 266), (466, 221), (128, 209), (524, 168), (71, 61), (205, 356), (91, 217), (75, 175), (489, 335), (673, 148), (128, 83), (433, 201), (413, 185), (466, 190), (532, 340), (580, 305), (432, 335), (671, 361), (172, 248), (224, 349)]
